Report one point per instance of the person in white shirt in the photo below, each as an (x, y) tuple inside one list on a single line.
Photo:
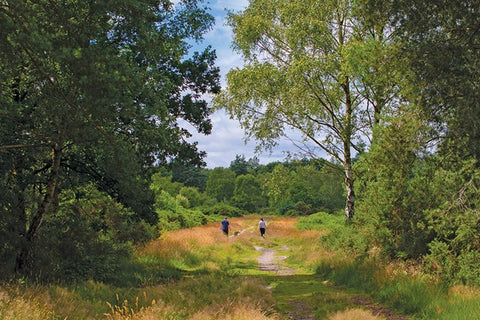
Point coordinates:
[(263, 225)]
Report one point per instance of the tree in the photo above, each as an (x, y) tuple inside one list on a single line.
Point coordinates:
[(243, 166), (190, 176), (395, 190), (220, 184), (277, 184), (248, 193), (239, 165), (300, 73), (92, 91), (441, 45)]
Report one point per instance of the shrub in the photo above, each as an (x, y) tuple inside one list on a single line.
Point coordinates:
[(340, 234), (87, 238), (70, 249), (194, 196)]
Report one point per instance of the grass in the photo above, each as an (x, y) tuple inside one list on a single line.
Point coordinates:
[(199, 273)]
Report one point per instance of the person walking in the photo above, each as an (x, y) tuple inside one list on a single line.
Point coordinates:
[(263, 226), (225, 225)]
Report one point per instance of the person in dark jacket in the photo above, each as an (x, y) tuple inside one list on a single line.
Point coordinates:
[(225, 225)]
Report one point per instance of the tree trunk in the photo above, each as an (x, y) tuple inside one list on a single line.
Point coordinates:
[(350, 202), (25, 257), (347, 161)]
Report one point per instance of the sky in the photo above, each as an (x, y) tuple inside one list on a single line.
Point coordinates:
[(227, 138)]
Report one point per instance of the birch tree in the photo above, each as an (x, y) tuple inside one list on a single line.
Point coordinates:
[(306, 64)]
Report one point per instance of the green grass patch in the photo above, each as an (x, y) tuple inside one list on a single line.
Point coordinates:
[(308, 295)]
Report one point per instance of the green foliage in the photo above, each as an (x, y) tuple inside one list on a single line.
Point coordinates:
[(276, 185), (173, 213), (190, 176), (247, 194), (395, 186), (439, 40), (242, 166), (340, 234), (220, 184), (224, 210), (89, 237), (93, 93), (193, 195), (303, 188), (161, 182), (303, 73), (454, 253)]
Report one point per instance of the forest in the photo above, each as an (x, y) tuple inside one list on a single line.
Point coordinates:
[(95, 162)]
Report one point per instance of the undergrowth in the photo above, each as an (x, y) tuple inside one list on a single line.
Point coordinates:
[(396, 284)]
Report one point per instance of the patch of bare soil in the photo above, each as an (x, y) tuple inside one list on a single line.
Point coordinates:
[(300, 311)]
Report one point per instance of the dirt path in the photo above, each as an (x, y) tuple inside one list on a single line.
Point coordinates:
[(270, 261), (299, 295)]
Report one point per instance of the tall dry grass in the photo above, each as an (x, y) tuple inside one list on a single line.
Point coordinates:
[(15, 306), (355, 314), (226, 311), (234, 310)]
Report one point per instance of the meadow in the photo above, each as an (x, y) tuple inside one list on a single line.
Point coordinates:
[(198, 273)]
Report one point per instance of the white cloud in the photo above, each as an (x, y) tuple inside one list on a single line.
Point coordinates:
[(227, 138)]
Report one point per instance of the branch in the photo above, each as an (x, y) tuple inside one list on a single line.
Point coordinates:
[(21, 146)]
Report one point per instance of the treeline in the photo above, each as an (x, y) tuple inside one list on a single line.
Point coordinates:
[(297, 187)]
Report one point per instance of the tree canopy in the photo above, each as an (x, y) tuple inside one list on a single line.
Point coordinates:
[(92, 91)]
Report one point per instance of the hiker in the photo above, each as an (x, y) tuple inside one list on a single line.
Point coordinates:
[(225, 225), (263, 225)]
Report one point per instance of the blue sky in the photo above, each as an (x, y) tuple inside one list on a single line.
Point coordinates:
[(227, 138)]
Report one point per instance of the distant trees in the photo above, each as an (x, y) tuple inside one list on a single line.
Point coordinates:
[(247, 194), (220, 184)]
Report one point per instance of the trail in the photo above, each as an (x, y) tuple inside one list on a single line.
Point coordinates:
[(298, 294), (269, 261)]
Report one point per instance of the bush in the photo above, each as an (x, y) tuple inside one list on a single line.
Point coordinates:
[(88, 238), (341, 235), (194, 196), (70, 249), (174, 213)]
